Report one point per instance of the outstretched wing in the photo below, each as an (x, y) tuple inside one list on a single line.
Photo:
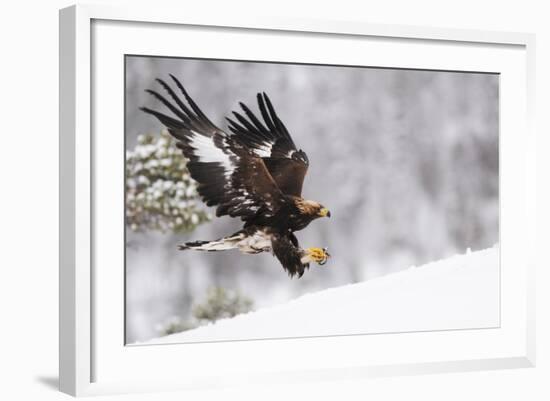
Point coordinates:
[(228, 174), (271, 141), (289, 254)]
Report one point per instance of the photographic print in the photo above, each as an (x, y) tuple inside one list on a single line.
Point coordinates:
[(275, 200)]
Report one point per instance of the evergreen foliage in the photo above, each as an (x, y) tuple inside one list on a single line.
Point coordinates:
[(160, 194)]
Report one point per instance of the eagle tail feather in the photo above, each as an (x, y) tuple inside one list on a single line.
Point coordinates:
[(221, 244)]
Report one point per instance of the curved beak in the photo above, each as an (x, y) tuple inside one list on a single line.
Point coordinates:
[(324, 212)]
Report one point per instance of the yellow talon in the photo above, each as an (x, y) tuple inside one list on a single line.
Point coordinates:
[(319, 255)]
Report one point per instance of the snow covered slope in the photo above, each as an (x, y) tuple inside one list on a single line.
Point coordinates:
[(459, 292)]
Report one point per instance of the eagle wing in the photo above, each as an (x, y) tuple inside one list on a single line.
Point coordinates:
[(271, 141), (228, 174)]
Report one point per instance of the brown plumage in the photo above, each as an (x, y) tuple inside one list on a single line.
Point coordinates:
[(255, 173)]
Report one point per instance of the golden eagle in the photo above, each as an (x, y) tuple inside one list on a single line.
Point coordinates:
[(255, 172)]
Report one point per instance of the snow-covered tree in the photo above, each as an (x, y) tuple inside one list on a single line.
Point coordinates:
[(160, 194), (222, 303)]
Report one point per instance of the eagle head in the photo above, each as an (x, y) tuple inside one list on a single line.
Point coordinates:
[(312, 209)]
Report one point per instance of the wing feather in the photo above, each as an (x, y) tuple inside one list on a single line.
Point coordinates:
[(271, 141), (229, 175)]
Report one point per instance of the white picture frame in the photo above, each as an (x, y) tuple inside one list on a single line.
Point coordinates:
[(88, 337)]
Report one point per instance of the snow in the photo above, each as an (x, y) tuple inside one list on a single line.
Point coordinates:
[(455, 293)]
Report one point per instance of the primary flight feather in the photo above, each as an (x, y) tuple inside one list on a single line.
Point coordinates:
[(254, 172)]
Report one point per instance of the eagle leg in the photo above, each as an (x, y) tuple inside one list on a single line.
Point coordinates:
[(255, 250), (318, 255)]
